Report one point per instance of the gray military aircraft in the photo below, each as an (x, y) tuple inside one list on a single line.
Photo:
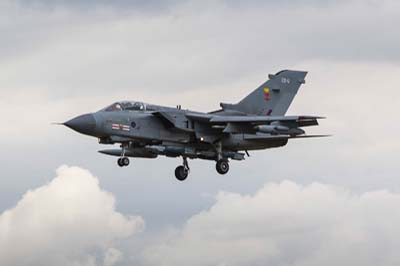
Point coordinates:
[(256, 122)]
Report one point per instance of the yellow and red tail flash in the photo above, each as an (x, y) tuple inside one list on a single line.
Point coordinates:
[(267, 95)]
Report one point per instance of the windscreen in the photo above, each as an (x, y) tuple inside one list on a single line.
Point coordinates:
[(121, 106)]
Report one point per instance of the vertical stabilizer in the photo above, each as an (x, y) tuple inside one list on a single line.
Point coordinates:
[(274, 96)]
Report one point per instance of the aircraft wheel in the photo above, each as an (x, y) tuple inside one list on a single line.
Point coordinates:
[(181, 173), (222, 166), (120, 163), (125, 161)]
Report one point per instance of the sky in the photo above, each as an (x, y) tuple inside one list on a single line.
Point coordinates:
[(322, 201)]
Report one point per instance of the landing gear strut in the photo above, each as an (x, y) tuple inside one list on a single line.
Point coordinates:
[(182, 171), (222, 166), (123, 161)]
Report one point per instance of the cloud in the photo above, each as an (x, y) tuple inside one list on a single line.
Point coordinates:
[(287, 224), (86, 5), (67, 53), (69, 221), (112, 256)]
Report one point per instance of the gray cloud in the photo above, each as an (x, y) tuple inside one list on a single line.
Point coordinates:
[(157, 5), (66, 53), (88, 5)]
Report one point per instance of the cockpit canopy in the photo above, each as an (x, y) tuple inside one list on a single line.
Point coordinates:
[(122, 106)]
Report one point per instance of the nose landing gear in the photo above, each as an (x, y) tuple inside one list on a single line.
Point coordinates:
[(123, 160), (182, 171)]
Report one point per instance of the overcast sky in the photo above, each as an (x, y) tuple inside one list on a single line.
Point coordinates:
[(296, 205)]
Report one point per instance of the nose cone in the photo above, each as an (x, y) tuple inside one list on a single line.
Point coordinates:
[(85, 124)]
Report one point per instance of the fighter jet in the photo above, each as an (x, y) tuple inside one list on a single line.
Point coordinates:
[(256, 122)]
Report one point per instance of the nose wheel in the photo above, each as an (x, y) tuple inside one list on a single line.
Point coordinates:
[(123, 161), (222, 166), (182, 171)]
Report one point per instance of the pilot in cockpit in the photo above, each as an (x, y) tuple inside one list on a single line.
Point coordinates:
[(120, 106), (113, 107), (138, 106)]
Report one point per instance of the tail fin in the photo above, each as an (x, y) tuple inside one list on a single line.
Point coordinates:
[(273, 97)]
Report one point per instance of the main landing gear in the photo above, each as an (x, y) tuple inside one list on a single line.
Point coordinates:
[(182, 171), (222, 166)]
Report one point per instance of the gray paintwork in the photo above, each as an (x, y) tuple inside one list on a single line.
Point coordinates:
[(256, 122)]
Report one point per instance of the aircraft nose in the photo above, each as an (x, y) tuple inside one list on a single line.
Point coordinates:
[(85, 124)]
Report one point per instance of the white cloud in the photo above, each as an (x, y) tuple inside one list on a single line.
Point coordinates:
[(287, 224), (112, 256), (69, 221)]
